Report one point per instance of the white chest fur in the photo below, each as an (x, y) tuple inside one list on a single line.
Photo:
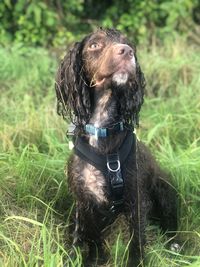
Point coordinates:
[(94, 183)]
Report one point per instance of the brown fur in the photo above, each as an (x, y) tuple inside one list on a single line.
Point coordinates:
[(100, 82)]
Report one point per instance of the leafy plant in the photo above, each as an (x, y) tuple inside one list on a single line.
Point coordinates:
[(35, 204), (58, 23)]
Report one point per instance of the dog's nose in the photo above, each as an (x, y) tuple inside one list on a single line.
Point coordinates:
[(123, 49)]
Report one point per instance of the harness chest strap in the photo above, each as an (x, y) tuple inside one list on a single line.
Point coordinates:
[(111, 164)]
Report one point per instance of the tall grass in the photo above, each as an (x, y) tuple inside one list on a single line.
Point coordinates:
[(34, 201)]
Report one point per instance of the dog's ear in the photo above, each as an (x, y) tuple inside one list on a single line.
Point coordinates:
[(131, 98), (139, 88), (72, 91)]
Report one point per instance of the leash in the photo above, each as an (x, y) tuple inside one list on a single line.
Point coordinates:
[(138, 204)]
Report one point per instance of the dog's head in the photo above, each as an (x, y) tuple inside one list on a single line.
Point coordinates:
[(102, 60)]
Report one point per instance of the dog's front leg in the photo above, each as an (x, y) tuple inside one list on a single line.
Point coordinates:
[(75, 233), (93, 236), (137, 231), (77, 236), (87, 231)]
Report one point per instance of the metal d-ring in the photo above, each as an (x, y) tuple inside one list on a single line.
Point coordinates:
[(113, 170)]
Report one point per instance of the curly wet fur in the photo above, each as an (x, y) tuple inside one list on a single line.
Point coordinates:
[(74, 92), (148, 192), (71, 88)]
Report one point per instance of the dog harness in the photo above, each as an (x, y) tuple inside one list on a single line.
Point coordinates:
[(111, 165)]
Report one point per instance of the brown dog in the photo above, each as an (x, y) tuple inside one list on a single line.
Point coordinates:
[(100, 86)]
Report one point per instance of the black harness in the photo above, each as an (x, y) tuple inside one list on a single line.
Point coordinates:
[(111, 165)]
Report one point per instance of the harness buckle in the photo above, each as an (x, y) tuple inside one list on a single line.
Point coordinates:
[(70, 135)]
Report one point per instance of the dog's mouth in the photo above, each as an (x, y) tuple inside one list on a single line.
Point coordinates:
[(98, 82), (119, 78), (119, 73)]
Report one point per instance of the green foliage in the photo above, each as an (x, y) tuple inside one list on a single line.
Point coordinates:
[(146, 20), (35, 204), (37, 22), (58, 23)]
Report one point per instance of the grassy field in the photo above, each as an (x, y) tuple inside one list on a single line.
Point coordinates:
[(34, 202)]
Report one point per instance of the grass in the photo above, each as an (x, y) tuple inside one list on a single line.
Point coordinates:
[(35, 205)]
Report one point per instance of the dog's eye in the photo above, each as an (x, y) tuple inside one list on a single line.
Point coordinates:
[(95, 46)]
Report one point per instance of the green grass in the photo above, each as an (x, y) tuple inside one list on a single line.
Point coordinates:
[(34, 202)]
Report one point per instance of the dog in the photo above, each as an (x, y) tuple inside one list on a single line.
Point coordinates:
[(100, 88)]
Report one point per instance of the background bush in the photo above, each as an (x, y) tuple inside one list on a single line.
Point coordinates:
[(57, 22), (35, 205)]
